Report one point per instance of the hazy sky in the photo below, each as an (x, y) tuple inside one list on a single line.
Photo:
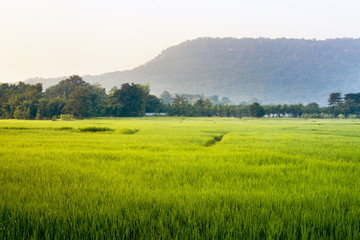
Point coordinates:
[(45, 38)]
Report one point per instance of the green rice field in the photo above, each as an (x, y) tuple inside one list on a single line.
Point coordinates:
[(180, 178)]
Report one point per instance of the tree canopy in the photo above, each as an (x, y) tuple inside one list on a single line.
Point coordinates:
[(80, 99)]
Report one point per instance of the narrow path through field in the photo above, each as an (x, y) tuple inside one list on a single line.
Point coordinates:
[(215, 140)]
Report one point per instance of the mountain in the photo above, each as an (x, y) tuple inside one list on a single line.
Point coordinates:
[(270, 70)]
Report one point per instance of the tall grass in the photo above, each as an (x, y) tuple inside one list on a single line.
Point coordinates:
[(276, 179)]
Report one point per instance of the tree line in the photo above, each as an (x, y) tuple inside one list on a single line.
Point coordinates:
[(76, 98)]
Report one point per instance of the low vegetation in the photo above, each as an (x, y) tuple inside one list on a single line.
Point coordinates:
[(127, 131), (265, 178), (95, 129)]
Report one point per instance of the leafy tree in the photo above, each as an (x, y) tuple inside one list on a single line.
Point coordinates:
[(256, 110), (349, 107), (203, 107), (55, 106), (132, 99), (334, 99), (65, 87), (353, 96), (98, 99), (311, 108), (153, 104), (180, 106), (79, 102), (296, 110), (179, 100), (166, 97), (226, 110)]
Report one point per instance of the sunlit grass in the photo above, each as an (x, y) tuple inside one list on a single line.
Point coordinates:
[(262, 179)]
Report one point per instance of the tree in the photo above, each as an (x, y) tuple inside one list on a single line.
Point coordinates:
[(312, 108), (296, 110), (180, 105), (65, 87), (132, 98), (353, 96), (334, 99), (79, 102), (55, 107), (153, 104), (166, 97), (203, 107), (256, 110), (98, 99), (349, 107), (352, 103), (179, 99)]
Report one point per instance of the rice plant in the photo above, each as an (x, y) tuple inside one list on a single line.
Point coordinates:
[(275, 179)]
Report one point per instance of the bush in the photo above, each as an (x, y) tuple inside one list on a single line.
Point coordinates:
[(95, 129), (127, 131), (64, 128), (67, 117), (353, 116)]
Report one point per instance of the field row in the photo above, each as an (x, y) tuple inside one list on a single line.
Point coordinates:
[(180, 178)]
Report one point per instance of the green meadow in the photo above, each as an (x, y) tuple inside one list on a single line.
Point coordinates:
[(180, 178)]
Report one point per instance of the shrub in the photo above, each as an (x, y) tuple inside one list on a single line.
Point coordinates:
[(127, 131), (95, 129), (353, 116), (67, 117), (64, 128)]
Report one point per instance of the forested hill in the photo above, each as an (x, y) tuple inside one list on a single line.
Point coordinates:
[(271, 70)]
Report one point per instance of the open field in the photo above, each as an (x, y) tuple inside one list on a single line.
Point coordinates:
[(193, 178)]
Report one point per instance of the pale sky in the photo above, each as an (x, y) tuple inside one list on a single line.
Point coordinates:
[(48, 38)]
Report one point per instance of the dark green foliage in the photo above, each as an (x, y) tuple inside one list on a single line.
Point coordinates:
[(180, 106), (312, 108), (127, 131), (214, 140), (256, 110), (153, 104), (98, 100), (335, 99), (353, 96), (65, 87), (132, 99), (24, 101), (203, 107), (79, 102), (95, 129), (20, 101), (16, 128), (64, 128)]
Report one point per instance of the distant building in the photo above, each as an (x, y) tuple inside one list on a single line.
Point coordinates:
[(154, 114)]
